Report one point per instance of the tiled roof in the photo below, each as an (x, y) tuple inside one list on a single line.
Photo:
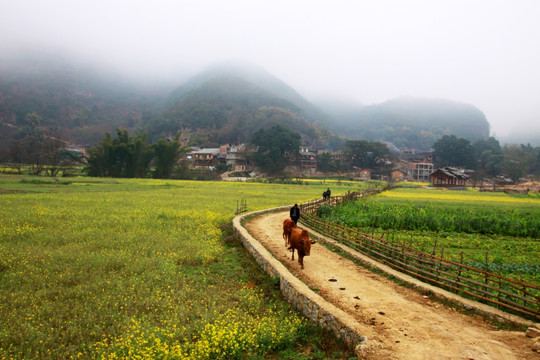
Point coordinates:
[(451, 172), (206, 151)]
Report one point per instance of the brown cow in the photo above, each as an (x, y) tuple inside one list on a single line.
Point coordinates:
[(300, 241), (288, 225)]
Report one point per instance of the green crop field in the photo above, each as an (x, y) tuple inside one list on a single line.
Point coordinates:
[(142, 269), (504, 228)]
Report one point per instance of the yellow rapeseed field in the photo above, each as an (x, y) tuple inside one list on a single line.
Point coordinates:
[(463, 196), (136, 269)]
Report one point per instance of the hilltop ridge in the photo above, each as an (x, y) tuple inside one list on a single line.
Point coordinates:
[(225, 103)]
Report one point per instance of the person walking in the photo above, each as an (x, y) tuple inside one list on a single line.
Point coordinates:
[(326, 194), (295, 213)]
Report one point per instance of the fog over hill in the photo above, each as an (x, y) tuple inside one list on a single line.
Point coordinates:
[(409, 121), (228, 102), (481, 53), (254, 74), (76, 102)]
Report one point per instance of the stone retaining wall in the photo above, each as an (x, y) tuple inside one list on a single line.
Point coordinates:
[(299, 294)]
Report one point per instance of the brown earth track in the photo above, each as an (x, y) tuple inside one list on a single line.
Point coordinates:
[(398, 322)]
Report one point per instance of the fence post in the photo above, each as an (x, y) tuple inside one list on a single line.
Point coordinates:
[(486, 276), (440, 263), (370, 246), (524, 289), (460, 267), (500, 286)]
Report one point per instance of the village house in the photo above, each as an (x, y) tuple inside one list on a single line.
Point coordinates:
[(303, 162), (416, 165), (414, 156), (398, 175), (419, 171), (336, 155), (364, 174), (448, 177), (234, 156), (204, 158), (76, 151)]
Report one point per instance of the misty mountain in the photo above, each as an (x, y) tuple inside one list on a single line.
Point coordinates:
[(255, 75), (231, 101), (408, 121), (226, 103), (75, 102)]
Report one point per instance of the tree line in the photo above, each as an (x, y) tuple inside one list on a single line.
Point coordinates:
[(39, 150), (122, 156), (132, 156), (487, 157), (276, 145)]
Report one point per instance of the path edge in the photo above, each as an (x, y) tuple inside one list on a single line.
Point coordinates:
[(485, 310), (297, 293)]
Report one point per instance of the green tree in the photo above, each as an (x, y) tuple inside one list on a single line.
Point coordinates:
[(57, 157), (139, 156), (98, 161), (489, 156), (29, 145), (451, 151), (167, 153), (326, 162), (123, 156), (365, 154), (42, 151), (274, 144), (536, 167), (521, 160), (531, 155), (515, 162)]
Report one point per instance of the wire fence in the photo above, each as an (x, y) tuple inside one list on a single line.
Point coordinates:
[(505, 293)]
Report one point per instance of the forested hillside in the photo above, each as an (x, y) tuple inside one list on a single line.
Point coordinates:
[(227, 103), (255, 75), (71, 101), (230, 109), (409, 122)]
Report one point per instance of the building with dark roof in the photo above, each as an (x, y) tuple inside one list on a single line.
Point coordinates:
[(448, 177)]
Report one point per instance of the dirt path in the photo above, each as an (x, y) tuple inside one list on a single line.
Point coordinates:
[(398, 322)]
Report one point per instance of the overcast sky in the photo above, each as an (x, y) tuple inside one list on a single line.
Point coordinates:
[(482, 52)]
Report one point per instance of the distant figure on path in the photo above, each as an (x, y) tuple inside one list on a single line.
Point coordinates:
[(295, 213), (326, 194)]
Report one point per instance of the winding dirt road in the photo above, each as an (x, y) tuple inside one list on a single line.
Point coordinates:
[(398, 322)]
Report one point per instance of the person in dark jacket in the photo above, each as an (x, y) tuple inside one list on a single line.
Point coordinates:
[(326, 194), (295, 213)]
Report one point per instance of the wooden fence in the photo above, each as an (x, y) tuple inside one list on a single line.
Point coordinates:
[(241, 206), (505, 293)]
